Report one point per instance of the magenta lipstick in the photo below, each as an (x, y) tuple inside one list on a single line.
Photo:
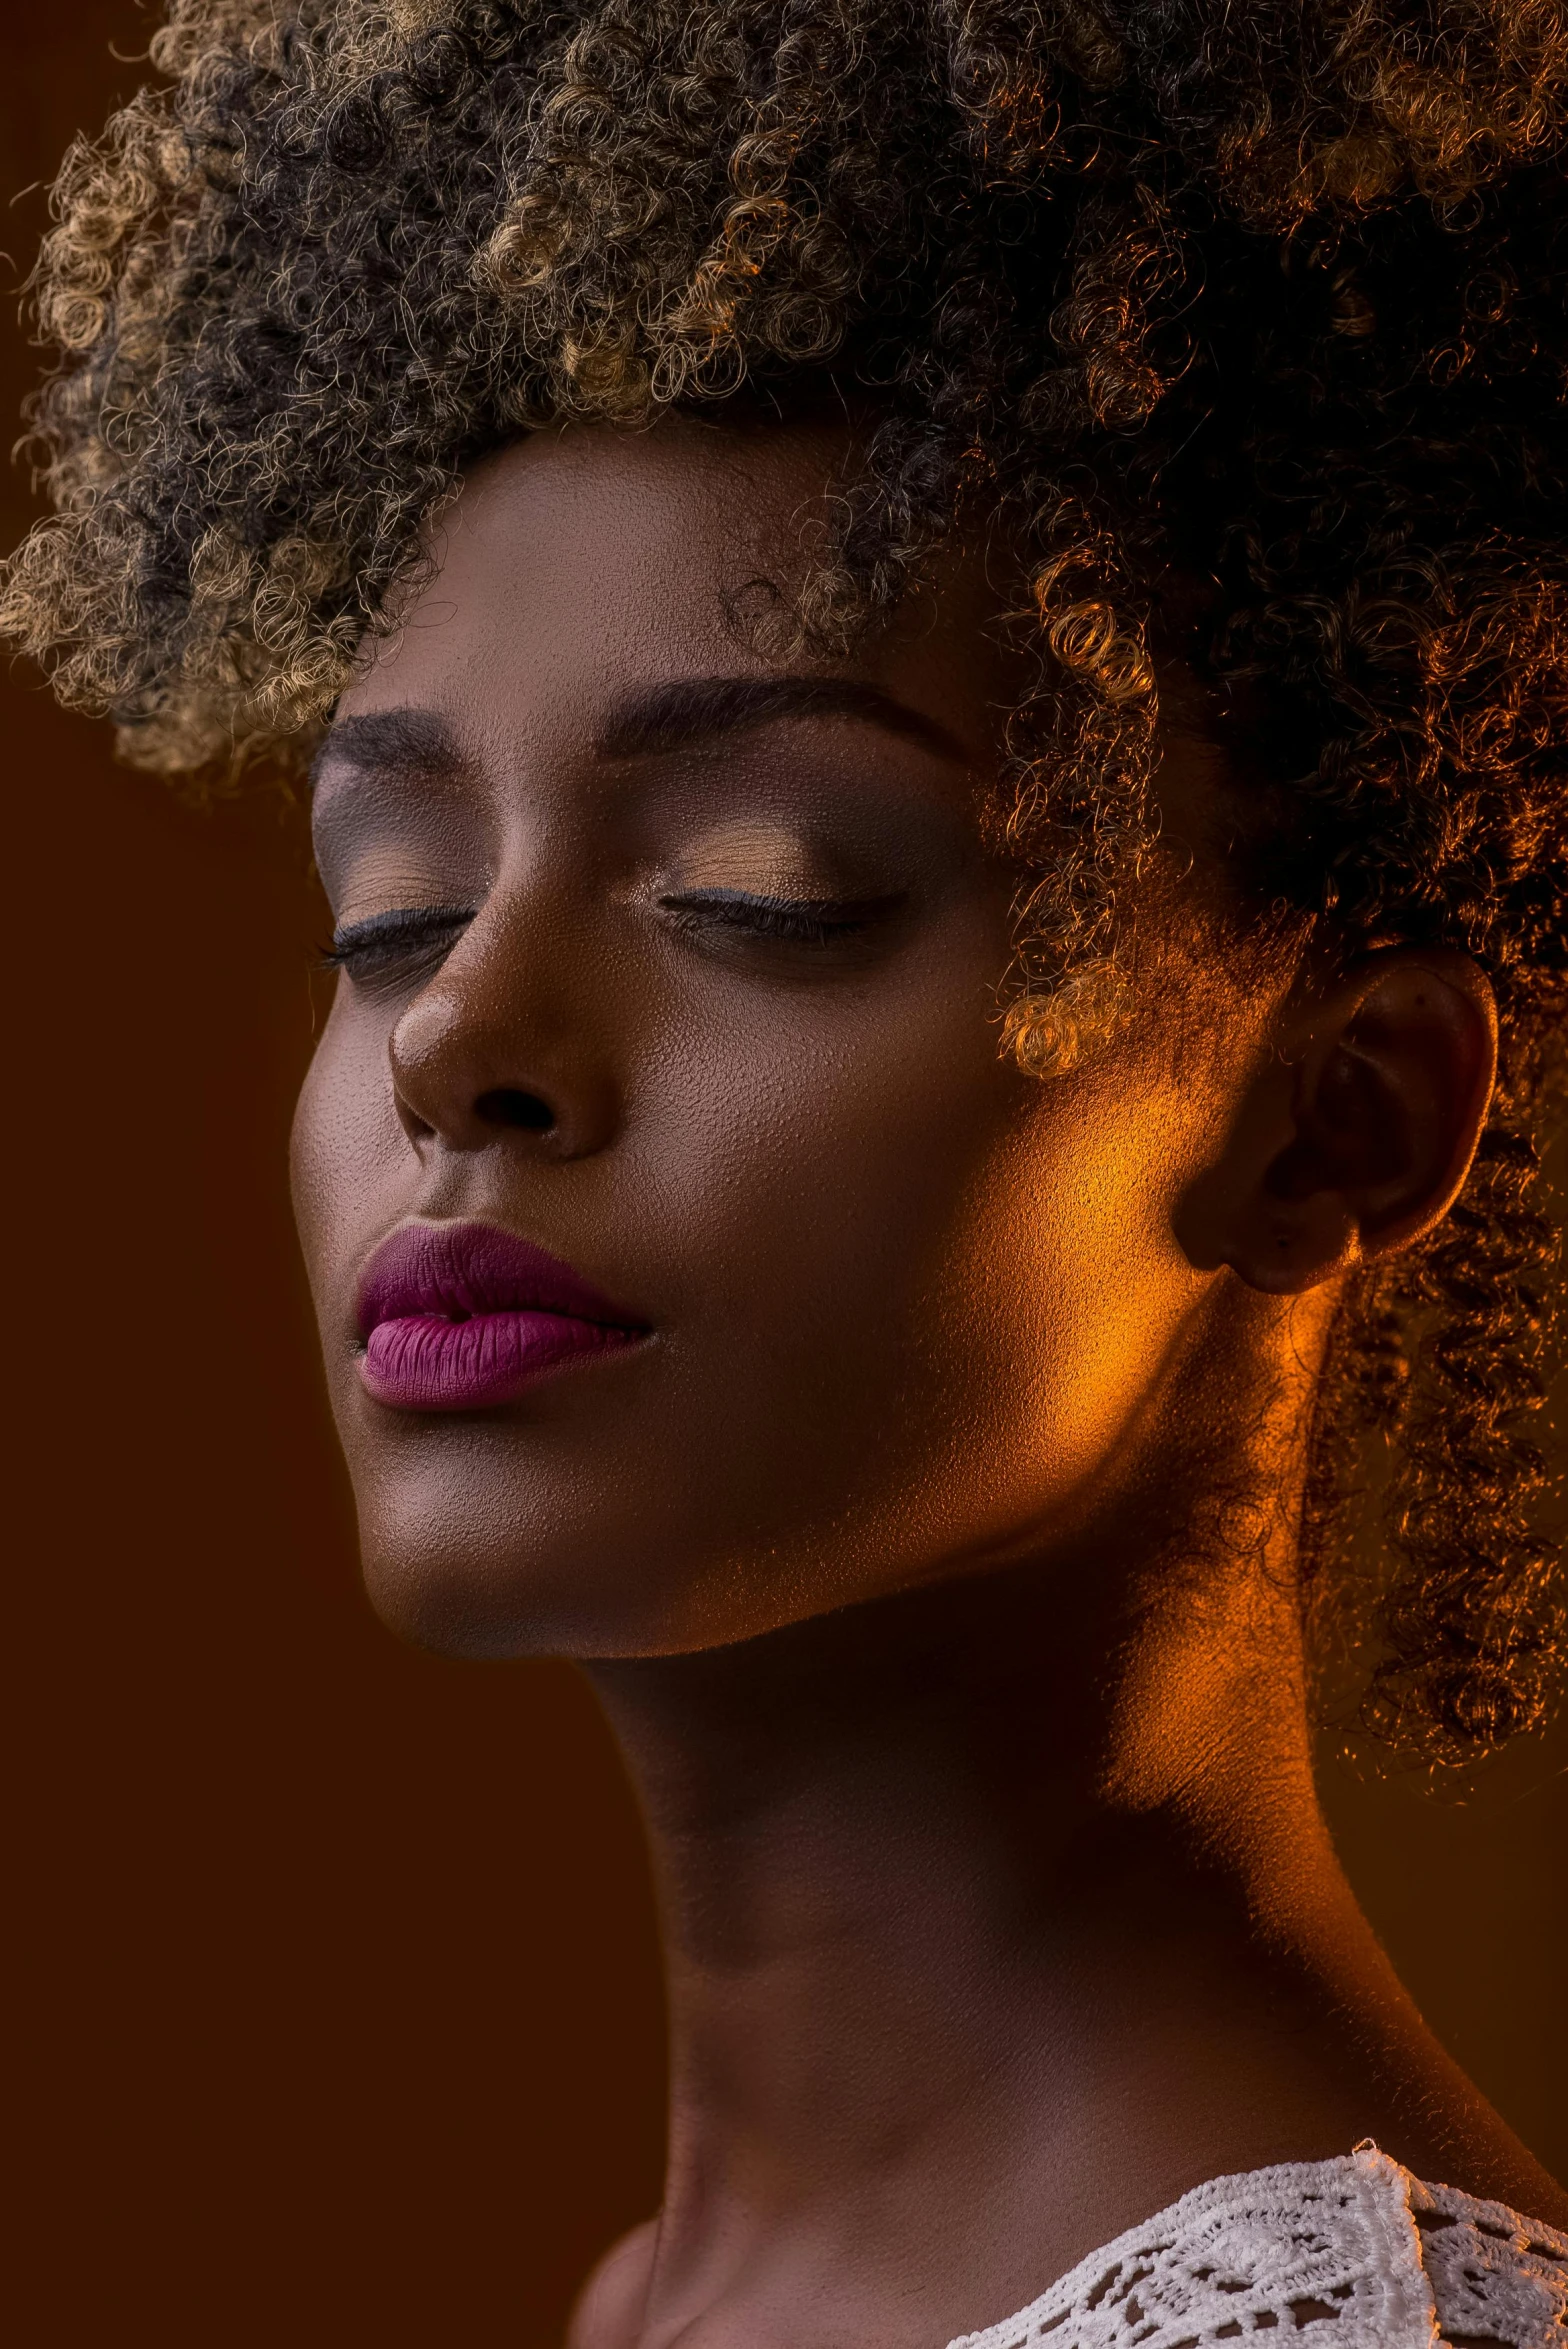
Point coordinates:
[(462, 1316)]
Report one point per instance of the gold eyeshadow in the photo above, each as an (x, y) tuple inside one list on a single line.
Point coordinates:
[(756, 858)]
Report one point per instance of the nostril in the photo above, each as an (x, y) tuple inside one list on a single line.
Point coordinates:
[(505, 1105)]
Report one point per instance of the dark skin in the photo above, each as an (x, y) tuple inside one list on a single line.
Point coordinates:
[(932, 1556)]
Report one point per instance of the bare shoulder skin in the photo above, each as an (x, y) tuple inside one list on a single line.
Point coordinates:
[(908, 1448), (612, 2304)]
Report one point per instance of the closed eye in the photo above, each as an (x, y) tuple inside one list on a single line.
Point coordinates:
[(404, 939), (802, 921)]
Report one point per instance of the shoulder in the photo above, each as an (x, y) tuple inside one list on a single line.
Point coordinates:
[(608, 2314)]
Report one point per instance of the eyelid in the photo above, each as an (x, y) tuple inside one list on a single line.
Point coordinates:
[(406, 926), (756, 855), (774, 901), (756, 919)]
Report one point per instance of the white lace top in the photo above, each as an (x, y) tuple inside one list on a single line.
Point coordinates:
[(1357, 2244)]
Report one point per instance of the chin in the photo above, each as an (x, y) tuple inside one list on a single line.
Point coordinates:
[(525, 1591), (448, 1610), (465, 1604)]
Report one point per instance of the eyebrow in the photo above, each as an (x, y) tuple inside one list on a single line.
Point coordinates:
[(688, 710), (641, 724), (407, 741)]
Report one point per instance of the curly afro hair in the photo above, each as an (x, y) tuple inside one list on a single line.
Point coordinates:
[(1249, 321)]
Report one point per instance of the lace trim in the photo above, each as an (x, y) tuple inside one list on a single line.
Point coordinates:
[(1495, 2276), (1356, 2242)]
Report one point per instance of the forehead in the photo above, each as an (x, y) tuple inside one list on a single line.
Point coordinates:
[(578, 563)]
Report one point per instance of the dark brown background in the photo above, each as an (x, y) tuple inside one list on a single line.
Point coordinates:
[(336, 2007)]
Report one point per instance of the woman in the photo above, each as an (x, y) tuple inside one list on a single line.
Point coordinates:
[(931, 642)]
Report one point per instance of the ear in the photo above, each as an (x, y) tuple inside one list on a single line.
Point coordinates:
[(1357, 1137)]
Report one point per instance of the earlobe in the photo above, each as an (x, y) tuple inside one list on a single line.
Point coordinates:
[(1357, 1137)]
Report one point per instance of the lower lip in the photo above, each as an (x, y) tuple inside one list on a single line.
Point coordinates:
[(426, 1363)]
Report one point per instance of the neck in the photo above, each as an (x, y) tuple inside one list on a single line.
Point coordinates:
[(979, 1950)]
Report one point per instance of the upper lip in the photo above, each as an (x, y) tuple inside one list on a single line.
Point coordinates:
[(460, 1270)]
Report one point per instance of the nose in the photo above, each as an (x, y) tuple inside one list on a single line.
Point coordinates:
[(493, 1047)]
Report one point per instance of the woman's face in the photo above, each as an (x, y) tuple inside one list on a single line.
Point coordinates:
[(679, 963)]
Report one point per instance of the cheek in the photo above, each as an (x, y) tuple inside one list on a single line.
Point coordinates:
[(349, 1163), (935, 1293), (1073, 1287)]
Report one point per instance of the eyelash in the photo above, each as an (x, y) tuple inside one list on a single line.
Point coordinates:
[(799, 921), (406, 934), (417, 934)]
